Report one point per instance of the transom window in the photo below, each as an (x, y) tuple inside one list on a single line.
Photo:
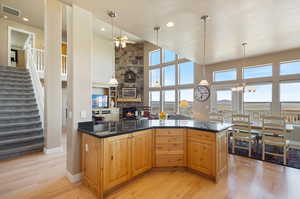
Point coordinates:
[(290, 68), (257, 72), (154, 57), (169, 56), (226, 75), (169, 75), (186, 73)]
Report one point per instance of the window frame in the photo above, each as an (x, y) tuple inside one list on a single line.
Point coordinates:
[(227, 70), (286, 62), (257, 66)]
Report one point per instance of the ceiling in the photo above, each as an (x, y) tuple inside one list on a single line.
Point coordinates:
[(267, 25)]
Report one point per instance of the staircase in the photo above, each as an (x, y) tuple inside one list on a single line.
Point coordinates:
[(21, 129)]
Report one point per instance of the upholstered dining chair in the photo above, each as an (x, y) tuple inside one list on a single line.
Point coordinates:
[(241, 131), (274, 133)]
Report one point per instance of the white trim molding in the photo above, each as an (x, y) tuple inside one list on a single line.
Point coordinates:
[(73, 178), (53, 150)]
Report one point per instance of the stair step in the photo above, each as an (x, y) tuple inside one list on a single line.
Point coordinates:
[(8, 89), (18, 112), (23, 132), (12, 75), (4, 101), (18, 151), (19, 126), (12, 68), (14, 106), (11, 79), (20, 140), (16, 95), (16, 84), (21, 72), (19, 119)]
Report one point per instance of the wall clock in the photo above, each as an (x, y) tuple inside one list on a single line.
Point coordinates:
[(202, 93)]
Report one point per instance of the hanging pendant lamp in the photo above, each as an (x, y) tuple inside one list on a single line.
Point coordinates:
[(204, 81), (113, 80), (156, 29)]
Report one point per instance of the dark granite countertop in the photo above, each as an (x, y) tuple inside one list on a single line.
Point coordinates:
[(109, 129)]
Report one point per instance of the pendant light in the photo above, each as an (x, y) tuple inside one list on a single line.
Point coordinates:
[(113, 80), (204, 81), (156, 29)]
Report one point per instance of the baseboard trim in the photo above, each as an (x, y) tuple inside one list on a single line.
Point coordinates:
[(53, 150), (74, 178)]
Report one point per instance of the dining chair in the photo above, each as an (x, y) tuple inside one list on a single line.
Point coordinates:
[(241, 131), (274, 133), (216, 117)]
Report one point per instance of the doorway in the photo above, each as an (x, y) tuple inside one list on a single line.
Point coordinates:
[(18, 42)]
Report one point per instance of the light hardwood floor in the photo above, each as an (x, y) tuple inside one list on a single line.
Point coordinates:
[(42, 177)]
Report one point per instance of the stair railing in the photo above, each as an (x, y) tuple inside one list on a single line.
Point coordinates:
[(37, 85)]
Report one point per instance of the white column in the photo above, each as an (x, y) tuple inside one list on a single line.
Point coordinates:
[(53, 90), (80, 53)]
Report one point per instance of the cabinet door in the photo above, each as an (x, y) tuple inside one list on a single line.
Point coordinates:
[(91, 170), (116, 161), (141, 152), (201, 156)]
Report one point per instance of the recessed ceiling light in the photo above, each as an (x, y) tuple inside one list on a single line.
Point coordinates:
[(5, 17), (170, 24), (25, 19), (102, 29)]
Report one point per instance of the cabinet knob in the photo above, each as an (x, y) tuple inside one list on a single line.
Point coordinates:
[(112, 157)]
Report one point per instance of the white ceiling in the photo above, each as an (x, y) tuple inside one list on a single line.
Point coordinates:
[(267, 25)]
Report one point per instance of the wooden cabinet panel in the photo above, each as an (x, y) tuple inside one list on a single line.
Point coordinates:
[(222, 154), (201, 156), (201, 135), (91, 162), (141, 151), (117, 156), (170, 147)]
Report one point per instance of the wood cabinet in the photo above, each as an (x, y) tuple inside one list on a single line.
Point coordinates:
[(117, 156), (141, 155), (92, 162), (170, 147)]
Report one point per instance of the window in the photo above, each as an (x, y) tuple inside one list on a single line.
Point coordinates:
[(154, 97), (154, 77), (224, 100), (225, 75), (169, 75), (169, 56), (154, 57), (258, 98), (186, 98), (169, 105), (257, 72), (186, 73), (290, 68), (290, 97)]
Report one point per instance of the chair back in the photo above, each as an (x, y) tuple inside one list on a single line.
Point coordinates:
[(241, 125), (274, 128), (216, 117)]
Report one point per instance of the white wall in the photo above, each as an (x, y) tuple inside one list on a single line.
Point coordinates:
[(102, 60)]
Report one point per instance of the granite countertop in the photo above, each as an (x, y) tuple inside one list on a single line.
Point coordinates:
[(109, 129)]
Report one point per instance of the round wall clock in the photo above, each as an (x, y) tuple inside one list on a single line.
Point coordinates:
[(202, 93)]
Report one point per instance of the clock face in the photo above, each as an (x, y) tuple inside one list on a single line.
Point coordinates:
[(202, 93)]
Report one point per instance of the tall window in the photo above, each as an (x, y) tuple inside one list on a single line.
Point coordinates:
[(186, 98), (186, 73), (169, 102), (169, 56), (290, 96), (154, 57), (154, 77), (226, 75), (258, 98), (224, 100), (290, 68), (177, 79), (169, 75), (154, 101), (257, 72)]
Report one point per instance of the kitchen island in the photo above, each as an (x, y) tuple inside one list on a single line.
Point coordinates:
[(115, 152)]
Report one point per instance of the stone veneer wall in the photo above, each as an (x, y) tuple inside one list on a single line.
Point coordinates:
[(130, 58)]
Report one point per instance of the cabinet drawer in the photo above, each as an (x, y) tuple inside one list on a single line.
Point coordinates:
[(169, 132), (201, 135), (169, 160), (169, 139)]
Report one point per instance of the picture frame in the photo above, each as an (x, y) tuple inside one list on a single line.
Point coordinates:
[(129, 92)]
